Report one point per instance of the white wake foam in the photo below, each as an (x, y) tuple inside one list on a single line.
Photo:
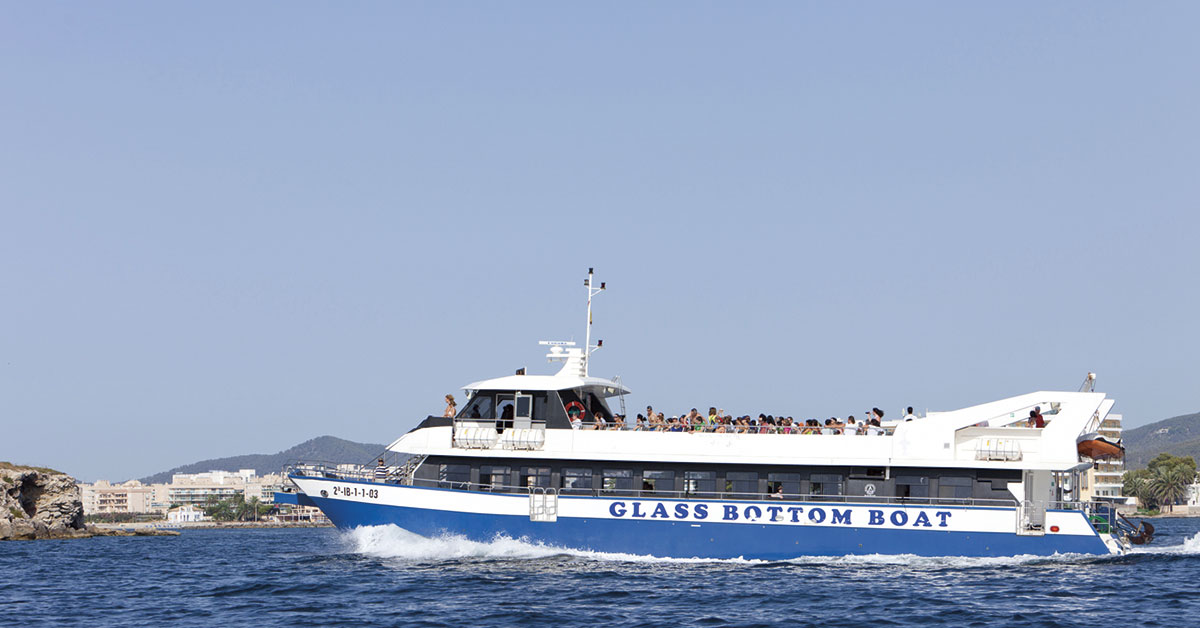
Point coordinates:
[(1189, 546), (393, 542), (390, 541)]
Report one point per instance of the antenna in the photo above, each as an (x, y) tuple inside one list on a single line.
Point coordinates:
[(588, 348)]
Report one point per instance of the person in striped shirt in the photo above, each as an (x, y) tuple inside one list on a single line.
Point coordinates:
[(381, 472)]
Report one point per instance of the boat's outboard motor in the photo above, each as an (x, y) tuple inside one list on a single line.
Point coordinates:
[(1141, 534)]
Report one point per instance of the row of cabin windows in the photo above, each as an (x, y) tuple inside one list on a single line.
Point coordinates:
[(699, 483)]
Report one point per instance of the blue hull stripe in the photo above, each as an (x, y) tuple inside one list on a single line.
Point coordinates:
[(683, 539)]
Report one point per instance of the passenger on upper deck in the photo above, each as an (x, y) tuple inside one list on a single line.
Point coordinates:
[(451, 407), (381, 471), (908, 415), (506, 419), (1035, 418)]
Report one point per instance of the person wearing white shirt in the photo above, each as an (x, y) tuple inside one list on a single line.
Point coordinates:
[(908, 416)]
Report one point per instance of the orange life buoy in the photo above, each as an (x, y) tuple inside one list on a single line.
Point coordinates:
[(575, 405)]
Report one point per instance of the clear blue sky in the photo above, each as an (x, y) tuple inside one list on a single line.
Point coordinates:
[(228, 228)]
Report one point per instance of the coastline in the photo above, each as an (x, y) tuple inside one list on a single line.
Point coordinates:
[(205, 525)]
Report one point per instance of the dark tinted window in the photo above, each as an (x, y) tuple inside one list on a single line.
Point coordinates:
[(493, 478), (454, 475), (702, 483), (577, 480), (535, 476), (955, 488), (787, 484), (540, 407), (618, 480), (658, 481), (741, 482), (826, 484), (479, 407), (912, 486)]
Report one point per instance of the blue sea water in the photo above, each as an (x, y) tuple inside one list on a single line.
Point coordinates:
[(388, 577)]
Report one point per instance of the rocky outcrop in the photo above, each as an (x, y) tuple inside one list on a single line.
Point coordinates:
[(39, 504)]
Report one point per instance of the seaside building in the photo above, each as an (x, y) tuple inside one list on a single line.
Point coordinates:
[(200, 488), (1104, 479), (103, 497), (189, 513)]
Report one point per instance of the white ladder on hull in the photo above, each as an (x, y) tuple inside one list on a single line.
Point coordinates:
[(543, 504)]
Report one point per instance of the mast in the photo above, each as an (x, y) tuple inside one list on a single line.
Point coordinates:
[(587, 344)]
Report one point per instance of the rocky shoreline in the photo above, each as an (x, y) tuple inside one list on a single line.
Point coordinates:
[(40, 503)]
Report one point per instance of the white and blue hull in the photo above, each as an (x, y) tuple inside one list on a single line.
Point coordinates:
[(768, 530)]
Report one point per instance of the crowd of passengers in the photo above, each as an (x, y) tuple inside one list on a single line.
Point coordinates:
[(717, 421), (720, 422)]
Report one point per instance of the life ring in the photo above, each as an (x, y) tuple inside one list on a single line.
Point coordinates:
[(576, 406)]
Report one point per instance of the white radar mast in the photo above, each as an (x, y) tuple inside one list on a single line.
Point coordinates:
[(576, 360)]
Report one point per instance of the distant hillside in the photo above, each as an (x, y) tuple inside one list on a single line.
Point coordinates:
[(1178, 436), (323, 449)]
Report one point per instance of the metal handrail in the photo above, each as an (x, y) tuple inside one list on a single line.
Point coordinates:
[(695, 495)]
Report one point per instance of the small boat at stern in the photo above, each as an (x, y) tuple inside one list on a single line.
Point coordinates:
[(546, 459)]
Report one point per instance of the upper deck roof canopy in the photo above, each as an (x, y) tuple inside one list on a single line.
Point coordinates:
[(529, 383)]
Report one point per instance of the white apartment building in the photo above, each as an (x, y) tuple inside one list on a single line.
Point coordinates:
[(199, 488), (103, 497)]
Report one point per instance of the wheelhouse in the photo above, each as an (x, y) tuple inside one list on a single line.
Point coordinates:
[(530, 401)]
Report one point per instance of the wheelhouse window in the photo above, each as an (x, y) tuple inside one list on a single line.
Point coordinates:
[(577, 480), (535, 476), (783, 484), (743, 483), (480, 407), (658, 481), (826, 484), (700, 483), (955, 488), (617, 480), (912, 486), (454, 476), (493, 478)]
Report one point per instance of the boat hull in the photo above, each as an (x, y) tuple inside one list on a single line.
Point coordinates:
[(718, 529)]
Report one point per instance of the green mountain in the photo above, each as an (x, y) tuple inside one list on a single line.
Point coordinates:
[(1178, 436), (320, 449)]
